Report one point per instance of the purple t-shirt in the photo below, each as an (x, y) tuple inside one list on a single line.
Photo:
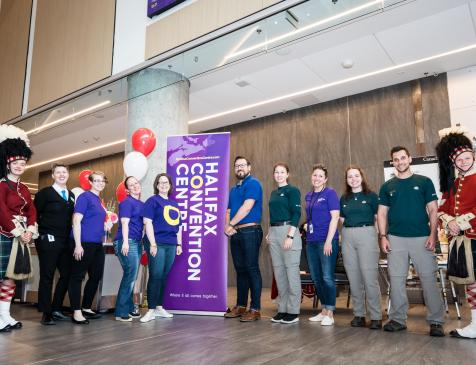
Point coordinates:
[(318, 210), (165, 215), (131, 208), (94, 214)]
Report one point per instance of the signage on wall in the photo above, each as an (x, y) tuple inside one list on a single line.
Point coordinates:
[(155, 7)]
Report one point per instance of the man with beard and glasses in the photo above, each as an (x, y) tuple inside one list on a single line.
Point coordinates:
[(407, 222), (243, 218)]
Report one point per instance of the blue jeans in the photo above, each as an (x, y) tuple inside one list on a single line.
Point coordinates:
[(323, 272), (130, 265), (245, 246), (159, 268)]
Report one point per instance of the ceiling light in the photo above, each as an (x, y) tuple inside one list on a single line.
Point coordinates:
[(76, 153), (335, 83), (348, 63), (63, 119), (303, 29)]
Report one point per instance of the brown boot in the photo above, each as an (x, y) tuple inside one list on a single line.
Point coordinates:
[(236, 312), (250, 316)]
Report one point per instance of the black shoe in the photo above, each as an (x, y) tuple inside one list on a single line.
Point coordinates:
[(91, 315), (16, 326), (436, 330), (47, 319), (79, 322), (290, 318), (58, 316), (278, 317), (393, 326), (5, 329), (135, 314), (358, 322), (375, 324)]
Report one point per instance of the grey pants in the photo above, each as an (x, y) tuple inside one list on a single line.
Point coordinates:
[(286, 269), (361, 254), (426, 266)]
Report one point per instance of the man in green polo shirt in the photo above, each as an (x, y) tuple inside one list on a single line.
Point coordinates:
[(407, 222)]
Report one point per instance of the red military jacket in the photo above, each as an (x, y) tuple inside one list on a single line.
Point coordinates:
[(15, 199), (461, 204)]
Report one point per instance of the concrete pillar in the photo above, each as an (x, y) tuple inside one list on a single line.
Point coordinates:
[(158, 100)]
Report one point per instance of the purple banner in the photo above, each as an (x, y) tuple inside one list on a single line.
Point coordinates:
[(155, 7), (199, 167)]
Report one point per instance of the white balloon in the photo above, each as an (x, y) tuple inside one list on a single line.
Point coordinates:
[(135, 164), (77, 192)]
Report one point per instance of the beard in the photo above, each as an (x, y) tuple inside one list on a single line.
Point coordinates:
[(241, 175)]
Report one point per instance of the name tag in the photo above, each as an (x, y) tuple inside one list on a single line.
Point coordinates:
[(50, 238)]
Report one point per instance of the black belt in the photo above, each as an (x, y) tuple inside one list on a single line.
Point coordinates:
[(277, 224), (362, 225)]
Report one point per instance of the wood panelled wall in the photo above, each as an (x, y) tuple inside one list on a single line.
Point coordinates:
[(360, 129), (14, 33), (197, 19), (72, 47)]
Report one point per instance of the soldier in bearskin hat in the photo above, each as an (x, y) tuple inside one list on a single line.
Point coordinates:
[(17, 219), (457, 213)]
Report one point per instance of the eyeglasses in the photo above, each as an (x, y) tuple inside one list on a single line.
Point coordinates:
[(164, 183), (100, 181), (241, 165)]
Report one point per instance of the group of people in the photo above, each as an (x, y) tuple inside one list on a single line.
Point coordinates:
[(69, 232), (400, 222)]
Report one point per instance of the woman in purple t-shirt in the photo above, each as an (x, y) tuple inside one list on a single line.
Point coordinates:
[(322, 209), (88, 232), (128, 248), (162, 242)]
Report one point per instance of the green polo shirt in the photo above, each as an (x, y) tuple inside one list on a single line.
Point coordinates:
[(359, 209), (285, 205), (407, 200)]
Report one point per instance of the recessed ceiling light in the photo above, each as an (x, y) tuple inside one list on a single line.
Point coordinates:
[(348, 63)]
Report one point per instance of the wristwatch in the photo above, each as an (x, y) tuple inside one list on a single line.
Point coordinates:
[(380, 236)]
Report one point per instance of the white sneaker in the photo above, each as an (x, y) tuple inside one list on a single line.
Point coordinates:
[(149, 316), (124, 319), (317, 318), (161, 312), (327, 321)]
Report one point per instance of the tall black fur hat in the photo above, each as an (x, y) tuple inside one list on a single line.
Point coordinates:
[(450, 146), (14, 145)]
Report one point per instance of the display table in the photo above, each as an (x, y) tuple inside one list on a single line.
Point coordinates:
[(108, 287)]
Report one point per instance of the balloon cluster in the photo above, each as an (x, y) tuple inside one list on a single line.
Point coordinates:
[(135, 163)]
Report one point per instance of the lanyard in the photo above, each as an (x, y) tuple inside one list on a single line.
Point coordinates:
[(313, 202)]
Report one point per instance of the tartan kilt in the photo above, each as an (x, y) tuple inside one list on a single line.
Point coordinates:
[(5, 250)]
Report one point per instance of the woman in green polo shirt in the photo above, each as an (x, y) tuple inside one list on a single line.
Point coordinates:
[(285, 244), (360, 250)]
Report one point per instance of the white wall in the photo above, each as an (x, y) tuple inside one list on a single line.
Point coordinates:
[(462, 97), (129, 37), (130, 29)]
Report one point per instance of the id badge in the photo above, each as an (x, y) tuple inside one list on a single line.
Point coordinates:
[(51, 238), (311, 228)]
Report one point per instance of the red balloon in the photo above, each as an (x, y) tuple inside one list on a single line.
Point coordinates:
[(84, 179), (143, 140), (121, 192)]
